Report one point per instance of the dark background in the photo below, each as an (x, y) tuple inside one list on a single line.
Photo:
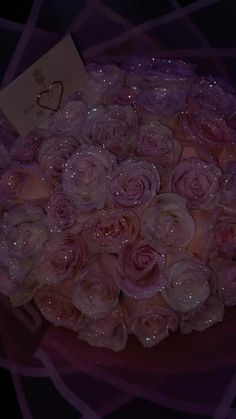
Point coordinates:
[(217, 24)]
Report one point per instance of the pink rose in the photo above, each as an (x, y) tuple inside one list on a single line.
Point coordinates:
[(95, 293), (103, 79), (27, 239), (223, 281), (197, 181), (134, 184), (112, 127), (160, 103), (188, 283), (210, 95), (62, 254), (12, 183), (69, 118), (105, 75), (169, 221), (228, 188), (225, 235), (125, 95), (202, 317), (57, 308), (53, 155), (207, 128), (61, 212), (156, 143), (109, 230), (142, 269), (21, 183), (150, 320), (20, 241), (26, 149), (85, 178), (24, 231), (108, 333)]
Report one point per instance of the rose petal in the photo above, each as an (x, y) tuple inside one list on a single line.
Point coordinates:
[(95, 293), (111, 127), (57, 308), (150, 320), (223, 281), (169, 221), (209, 95), (26, 148), (225, 235), (204, 316), (69, 118), (134, 184), (188, 284), (54, 154), (62, 254), (85, 178), (141, 273), (61, 212), (108, 333), (207, 128), (197, 181), (108, 231), (156, 143)]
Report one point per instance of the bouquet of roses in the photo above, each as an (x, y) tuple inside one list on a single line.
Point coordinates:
[(118, 213)]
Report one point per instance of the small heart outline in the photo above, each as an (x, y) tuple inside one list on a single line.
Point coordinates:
[(46, 91)]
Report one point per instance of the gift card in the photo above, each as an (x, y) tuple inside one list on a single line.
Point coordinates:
[(41, 89)]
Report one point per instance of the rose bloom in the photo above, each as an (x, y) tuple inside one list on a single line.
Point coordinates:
[(62, 254), (24, 230), (53, 155), (223, 281), (160, 103), (156, 143), (69, 118), (102, 79), (85, 178), (225, 235), (150, 320), (207, 128), (134, 184), (228, 187), (112, 127), (142, 269), (188, 283), (12, 183), (197, 181), (168, 221), (26, 149), (202, 317), (124, 95), (108, 333), (210, 95), (95, 293), (27, 239), (109, 230), (61, 212), (57, 308)]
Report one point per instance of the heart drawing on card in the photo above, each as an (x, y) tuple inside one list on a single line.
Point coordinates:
[(51, 98)]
